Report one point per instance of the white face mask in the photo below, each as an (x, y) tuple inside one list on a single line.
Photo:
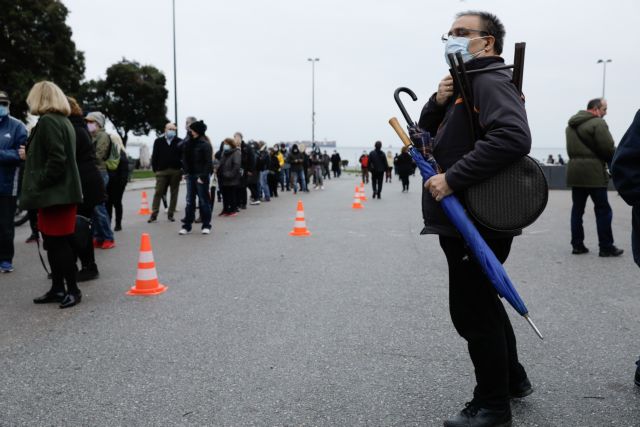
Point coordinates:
[(92, 127)]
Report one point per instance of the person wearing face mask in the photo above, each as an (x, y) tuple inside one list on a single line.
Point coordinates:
[(502, 138), (197, 161), (103, 236), (13, 136), (590, 148), (166, 162), (230, 176), (296, 160)]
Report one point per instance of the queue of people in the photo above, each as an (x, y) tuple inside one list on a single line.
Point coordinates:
[(236, 173), (70, 175)]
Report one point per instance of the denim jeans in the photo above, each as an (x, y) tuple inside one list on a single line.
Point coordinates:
[(264, 185), (285, 178), (298, 175), (317, 173), (603, 212), (201, 190), (102, 223)]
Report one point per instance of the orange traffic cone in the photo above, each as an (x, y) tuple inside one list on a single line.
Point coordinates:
[(147, 278), (363, 197), (144, 205), (300, 226), (356, 200)]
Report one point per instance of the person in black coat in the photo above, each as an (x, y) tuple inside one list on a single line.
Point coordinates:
[(404, 167), (117, 183), (378, 165), (335, 164), (197, 162), (93, 190), (230, 176), (626, 177), (502, 139)]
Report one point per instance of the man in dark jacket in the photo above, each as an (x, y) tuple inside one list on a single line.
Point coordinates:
[(504, 137), (197, 161), (378, 165), (336, 166), (626, 177), (167, 165), (590, 147), (13, 136)]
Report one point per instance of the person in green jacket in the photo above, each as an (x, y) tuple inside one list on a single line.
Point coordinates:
[(51, 184), (590, 147)]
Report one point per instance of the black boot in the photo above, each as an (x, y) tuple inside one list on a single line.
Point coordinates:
[(71, 299), (475, 416), (49, 297), (88, 273), (521, 389), (637, 380)]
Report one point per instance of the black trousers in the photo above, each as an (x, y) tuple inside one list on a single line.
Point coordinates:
[(241, 193), (405, 182), (86, 253), (7, 229), (376, 182), (115, 192), (480, 318), (62, 260), (230, 198)]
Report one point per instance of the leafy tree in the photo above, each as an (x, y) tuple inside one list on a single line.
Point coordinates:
[(35, 44), (133, 97)]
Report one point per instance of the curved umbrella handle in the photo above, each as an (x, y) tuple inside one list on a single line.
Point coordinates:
[(396, 96)]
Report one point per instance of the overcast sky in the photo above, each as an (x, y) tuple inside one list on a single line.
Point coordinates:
[(242, 64)]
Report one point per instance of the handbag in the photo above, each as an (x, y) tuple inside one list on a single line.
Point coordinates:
[(510, 200)]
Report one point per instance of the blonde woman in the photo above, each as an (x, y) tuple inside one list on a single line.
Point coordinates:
[(51, 184)]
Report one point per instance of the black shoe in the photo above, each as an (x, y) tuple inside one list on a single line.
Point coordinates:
[(86, 274), (613, 251), (475, 416), (70, 300), (520, 390), (152, 218), (577, 250), (637, 380), (49, 297), (118, 227), (171, 219)]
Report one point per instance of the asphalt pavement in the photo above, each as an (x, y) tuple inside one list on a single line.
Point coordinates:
[(348, 327)]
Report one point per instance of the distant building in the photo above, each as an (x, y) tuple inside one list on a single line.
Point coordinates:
[(321, 144)]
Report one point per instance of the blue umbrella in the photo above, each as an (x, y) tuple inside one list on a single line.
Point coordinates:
[(481, 252)]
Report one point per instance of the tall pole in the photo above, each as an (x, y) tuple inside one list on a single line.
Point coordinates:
[(313, 98), (604, 72), (175, 75)]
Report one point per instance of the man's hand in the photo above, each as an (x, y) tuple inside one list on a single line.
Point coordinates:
[(22, 153), (445, 90), (438, 187)]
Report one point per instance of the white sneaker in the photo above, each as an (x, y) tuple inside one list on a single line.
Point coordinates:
[(254, 202), (206, 231), (322, 187), (184, 231)]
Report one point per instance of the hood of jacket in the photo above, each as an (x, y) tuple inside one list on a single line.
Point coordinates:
[(580, 118)]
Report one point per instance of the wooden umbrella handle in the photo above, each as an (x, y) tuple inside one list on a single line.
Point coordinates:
[(401, 133)]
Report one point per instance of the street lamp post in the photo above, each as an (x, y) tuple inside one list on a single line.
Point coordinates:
[(313, 98), (604, 72), (175, 75)]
